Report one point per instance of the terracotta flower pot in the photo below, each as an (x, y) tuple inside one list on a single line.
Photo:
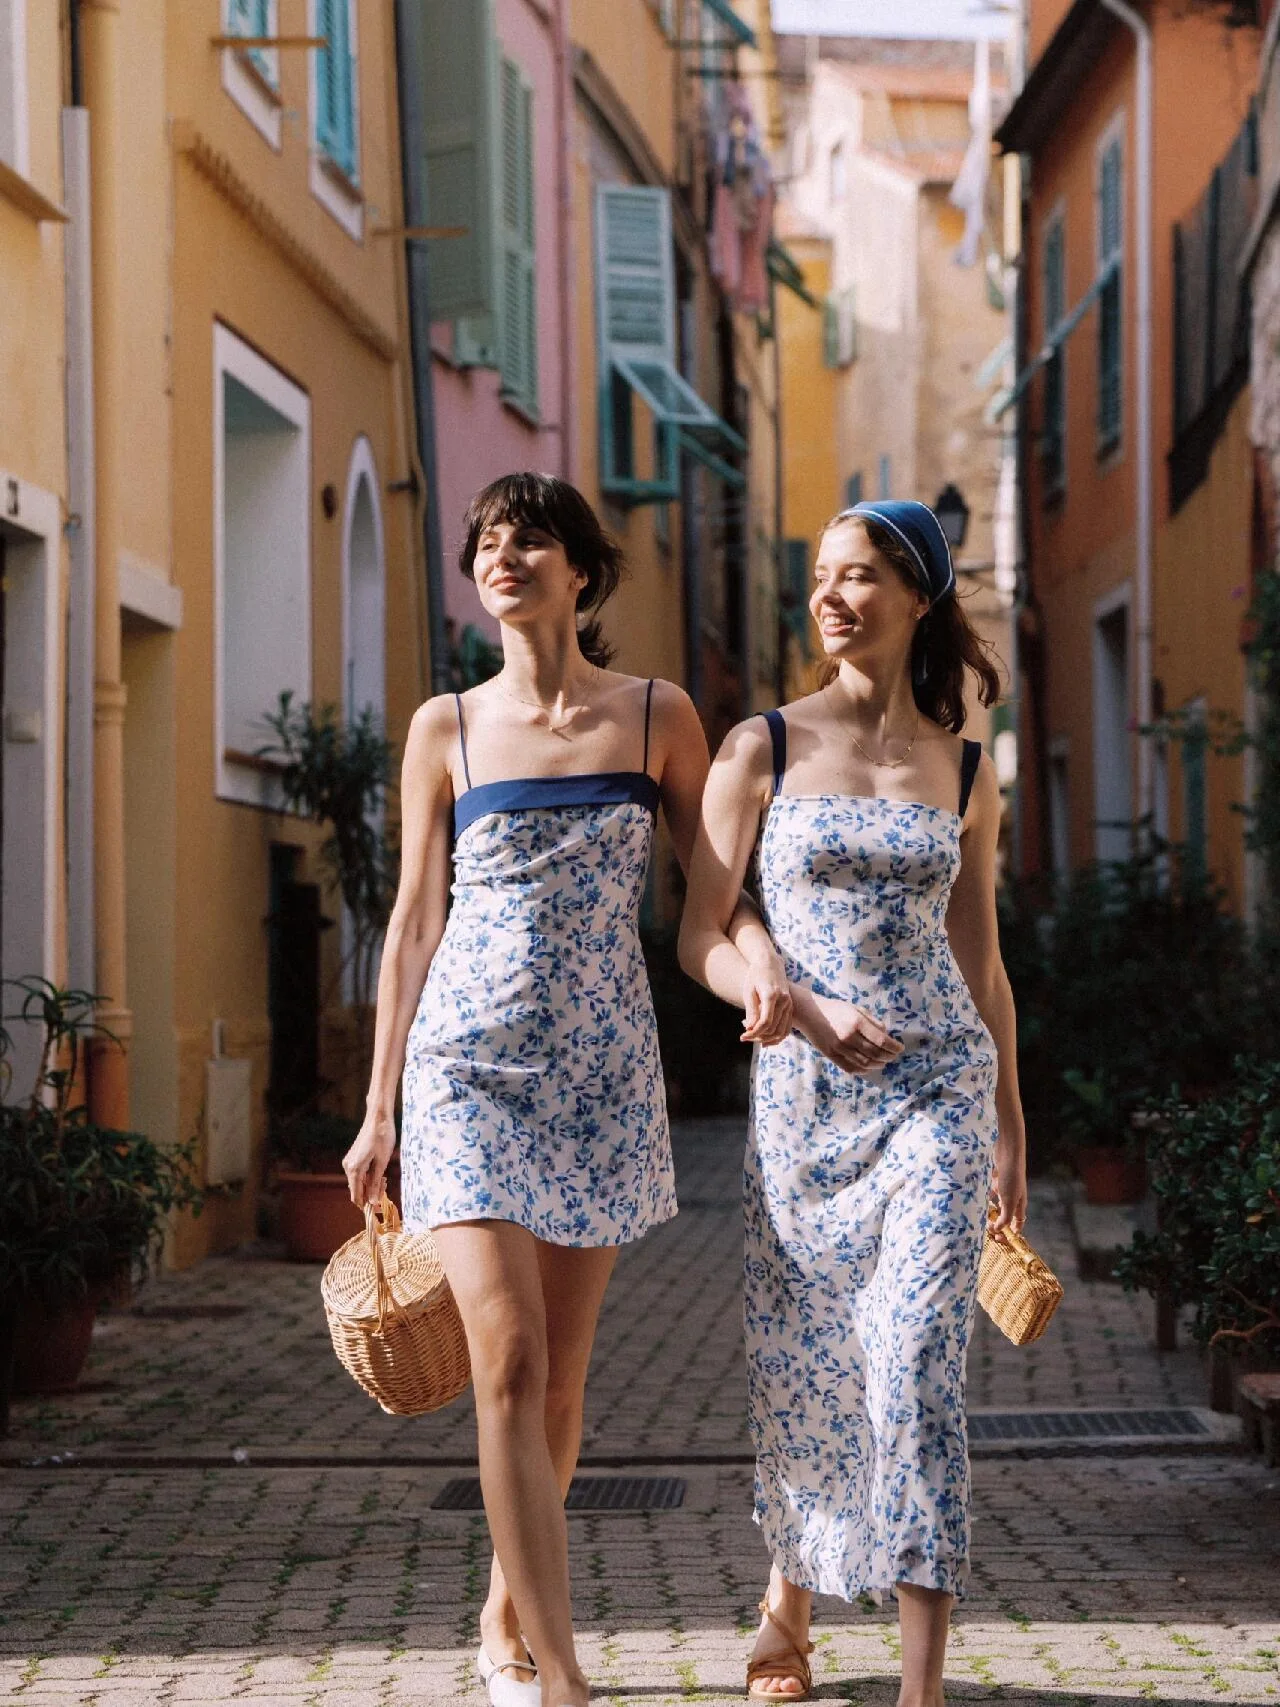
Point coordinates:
[(1111, 1175), (52, 1343), (317, 1214)]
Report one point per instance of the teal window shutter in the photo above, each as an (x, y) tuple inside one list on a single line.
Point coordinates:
[(335, 86), (795, 589), (455, 71), (1195, 801), (1110, 299), (830, 332), (253, 18), (519, 307)]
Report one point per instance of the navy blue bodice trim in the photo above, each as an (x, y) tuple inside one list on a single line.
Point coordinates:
[(545, 793)]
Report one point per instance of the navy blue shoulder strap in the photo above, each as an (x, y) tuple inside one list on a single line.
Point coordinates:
[(969, 761), (648, 707), (778, 736), (462, 738)]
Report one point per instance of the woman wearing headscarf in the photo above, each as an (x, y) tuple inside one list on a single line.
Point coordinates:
[(885, 1123)]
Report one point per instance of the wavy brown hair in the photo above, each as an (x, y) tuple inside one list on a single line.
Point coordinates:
[(542, 501), (944, 646)]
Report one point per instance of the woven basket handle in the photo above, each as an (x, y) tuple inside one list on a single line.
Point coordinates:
[(381, 1217)]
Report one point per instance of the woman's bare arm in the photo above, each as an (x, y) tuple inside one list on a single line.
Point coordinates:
[(413, 934), (975, 941)]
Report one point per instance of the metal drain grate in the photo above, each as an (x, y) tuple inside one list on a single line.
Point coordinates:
[(1086, 1425), (586, 1493)]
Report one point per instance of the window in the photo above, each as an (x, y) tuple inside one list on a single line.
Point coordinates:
[(853, 490), (885, 484), (838, 173), (13, 86), (1195, 798), (839, 329), (1112, 739), (252, 76), (335, 91), (635, 304), (518, 310), (1053, 435), (795, 590), (1110, 298), (1059, 809), (262, 557)]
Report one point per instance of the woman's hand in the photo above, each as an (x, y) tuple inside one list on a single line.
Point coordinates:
[(365, 1163), (1009, 1188), (766, 997), (843, 1032)]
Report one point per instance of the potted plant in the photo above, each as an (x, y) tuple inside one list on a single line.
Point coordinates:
[(1215, 1174), (339, 775), (1106, 1147), (81, 1206)]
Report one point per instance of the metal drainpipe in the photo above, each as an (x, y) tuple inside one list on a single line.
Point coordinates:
[(1143, 622)]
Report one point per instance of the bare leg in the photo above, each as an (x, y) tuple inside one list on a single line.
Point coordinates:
[(573, 1288), (496, 1276), (792, 1607), (924, 1617)]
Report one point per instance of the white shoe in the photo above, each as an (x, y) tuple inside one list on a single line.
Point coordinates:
[(505, 1690)]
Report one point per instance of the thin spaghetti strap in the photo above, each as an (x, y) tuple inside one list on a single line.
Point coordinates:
[(778, 739), (462, 739), (969, 760), (648, 707)]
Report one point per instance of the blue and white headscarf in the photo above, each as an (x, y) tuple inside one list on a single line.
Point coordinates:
[(919, 531)]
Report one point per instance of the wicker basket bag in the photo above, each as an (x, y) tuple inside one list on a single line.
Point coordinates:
[(1017, 1289), (393, 1318)]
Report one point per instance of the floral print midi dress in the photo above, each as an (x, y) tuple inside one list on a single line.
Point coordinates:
[(533, 1088), (865, 1202)]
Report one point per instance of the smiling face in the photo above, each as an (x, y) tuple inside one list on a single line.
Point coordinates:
[(865, 609), (523, 574)]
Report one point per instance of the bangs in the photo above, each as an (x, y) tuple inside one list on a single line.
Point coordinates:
[(521, 500)]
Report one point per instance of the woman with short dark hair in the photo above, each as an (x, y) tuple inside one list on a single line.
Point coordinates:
[(535, 1137), (877, 1126)]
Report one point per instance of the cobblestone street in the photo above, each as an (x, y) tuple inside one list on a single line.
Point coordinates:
[(220, 1514)]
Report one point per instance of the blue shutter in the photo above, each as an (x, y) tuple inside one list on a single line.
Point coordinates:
[(253, 18), (335, 85)]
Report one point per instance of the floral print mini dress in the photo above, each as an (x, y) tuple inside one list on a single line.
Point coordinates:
[(865, 1202), (533, 1088)]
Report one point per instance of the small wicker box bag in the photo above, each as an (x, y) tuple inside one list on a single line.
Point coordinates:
[(393, 1318), (1017, 1289)]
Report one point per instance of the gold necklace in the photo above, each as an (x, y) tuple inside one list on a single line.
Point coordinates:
[(887, 764), (556, 728)]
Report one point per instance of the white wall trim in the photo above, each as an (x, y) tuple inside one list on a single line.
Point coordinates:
[(147, 592), (362, 466), (15, 123), (231, 355), (32, 520), (263, 110)]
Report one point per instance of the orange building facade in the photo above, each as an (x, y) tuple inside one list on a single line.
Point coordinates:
[(1136, 532)]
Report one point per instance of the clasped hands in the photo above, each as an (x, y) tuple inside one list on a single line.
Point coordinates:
[(844, 1033)]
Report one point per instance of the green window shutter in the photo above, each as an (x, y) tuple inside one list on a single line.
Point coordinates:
[(635, 321), (1053, 438), (253, 18), (453, 68), (853, 490), (335, 85), (1195, 800), (519, 312), (1110, 300)]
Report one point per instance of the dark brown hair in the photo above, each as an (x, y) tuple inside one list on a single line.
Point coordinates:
[(944, 646), (542, 501)]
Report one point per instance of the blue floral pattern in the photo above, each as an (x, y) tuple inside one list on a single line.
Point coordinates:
[(865, 1203), (533, 1087)]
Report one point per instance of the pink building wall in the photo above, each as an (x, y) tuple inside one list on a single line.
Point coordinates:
[(478, 435)]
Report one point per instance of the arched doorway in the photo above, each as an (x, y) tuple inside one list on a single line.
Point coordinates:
[(364, 674)]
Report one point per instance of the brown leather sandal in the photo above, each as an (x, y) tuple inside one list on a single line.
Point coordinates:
[(781, 1667)]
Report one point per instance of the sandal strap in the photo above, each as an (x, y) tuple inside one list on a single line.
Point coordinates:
[(516, 1665), (787, 1664)]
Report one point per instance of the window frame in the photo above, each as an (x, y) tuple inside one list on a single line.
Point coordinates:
[(1109, 435), (1054, 474), (253, 784), (251, 76)]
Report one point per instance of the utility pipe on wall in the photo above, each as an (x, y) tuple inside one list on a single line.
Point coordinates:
[(1142, 588)]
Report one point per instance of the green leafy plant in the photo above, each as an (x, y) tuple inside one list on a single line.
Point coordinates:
[(1215, 1173), (338, 774), (79, 1202)]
